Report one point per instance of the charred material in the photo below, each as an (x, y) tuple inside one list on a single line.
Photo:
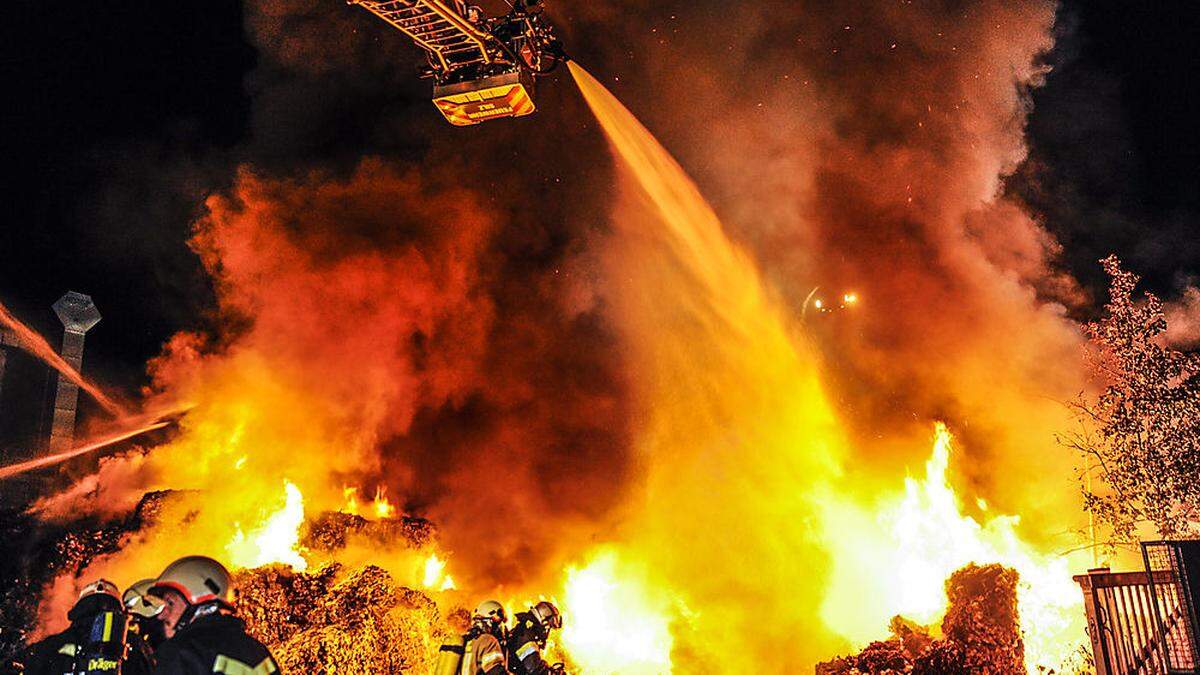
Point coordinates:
[(330, 531), (983, 619)]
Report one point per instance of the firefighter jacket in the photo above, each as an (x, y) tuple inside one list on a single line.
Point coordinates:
[(484, 656), (94, 644), (525, 645), (214, 643)]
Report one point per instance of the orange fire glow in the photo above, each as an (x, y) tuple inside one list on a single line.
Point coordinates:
[(894, 555), (745, 524), (275, 539), (618, 621)]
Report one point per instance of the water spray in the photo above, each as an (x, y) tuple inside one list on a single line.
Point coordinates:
[(141, 425), (36, 345)]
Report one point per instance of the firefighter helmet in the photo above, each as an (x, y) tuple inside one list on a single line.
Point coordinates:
[(548, 614), (491, 611), (198, 579), (137, 600), (100, 587)]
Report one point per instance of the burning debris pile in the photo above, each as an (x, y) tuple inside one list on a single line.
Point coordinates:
[(341, 619), (334, 619), (981, 633)]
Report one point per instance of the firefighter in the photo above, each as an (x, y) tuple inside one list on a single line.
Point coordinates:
[(94, 643), (145, 630), (481, 650), (527, 640), (203, 634), (484, 650)]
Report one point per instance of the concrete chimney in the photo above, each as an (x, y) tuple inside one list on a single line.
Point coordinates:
[(78, 314)]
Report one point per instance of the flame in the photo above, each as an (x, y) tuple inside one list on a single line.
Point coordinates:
[(746, 513), (276, 539), (350, 494), (435, 577), (895, 560), (613, 624), (381, 506)]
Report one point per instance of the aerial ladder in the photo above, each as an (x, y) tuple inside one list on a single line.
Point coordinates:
[(483, 68)]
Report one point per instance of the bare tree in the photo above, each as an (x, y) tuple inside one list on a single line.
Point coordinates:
[(1141, 436)]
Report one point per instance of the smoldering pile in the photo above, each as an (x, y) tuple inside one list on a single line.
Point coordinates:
[(980, 633)]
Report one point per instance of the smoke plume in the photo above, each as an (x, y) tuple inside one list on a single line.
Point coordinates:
[(862, 149)]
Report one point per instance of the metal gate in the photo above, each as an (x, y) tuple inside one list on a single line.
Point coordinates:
[(1174, 572), (1144, 623), (1121, 623)]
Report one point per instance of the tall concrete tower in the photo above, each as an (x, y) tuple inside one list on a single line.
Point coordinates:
[(78, 314), (7, 339)]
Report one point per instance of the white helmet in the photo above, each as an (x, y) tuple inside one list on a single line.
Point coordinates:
[(548, 614), (491, 611), (198, 579), (100, 587), (137, 600)]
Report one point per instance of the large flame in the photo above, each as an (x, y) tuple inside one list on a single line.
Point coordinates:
[(617, 621), (276, 539), (895, 555), (750, 514)]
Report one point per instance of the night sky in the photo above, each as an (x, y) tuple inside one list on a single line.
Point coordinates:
[(117, 122)]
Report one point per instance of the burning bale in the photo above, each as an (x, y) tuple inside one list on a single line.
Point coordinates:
[(983, 619), (338, 620), (331, 530), (981, 633)]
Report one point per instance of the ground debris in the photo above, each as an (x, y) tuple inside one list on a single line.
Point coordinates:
[(981, 633)]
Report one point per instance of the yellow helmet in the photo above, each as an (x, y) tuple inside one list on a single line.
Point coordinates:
[(137, 600), (198, 579)]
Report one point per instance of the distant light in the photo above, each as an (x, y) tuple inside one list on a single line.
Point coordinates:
[(850, 298), (817, 303)]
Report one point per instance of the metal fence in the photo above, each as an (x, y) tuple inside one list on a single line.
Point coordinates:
[(1144, 623), (1121, 623), (1174, 570)]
